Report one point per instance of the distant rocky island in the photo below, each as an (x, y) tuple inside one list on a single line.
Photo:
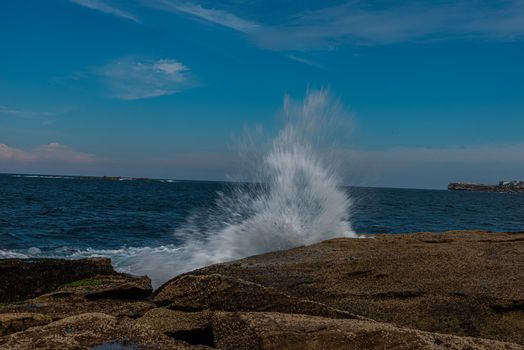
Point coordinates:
[(502, 186), (105, 178)]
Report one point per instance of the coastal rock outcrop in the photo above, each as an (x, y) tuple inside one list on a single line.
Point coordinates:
[(117, 294), (218, 292), (195, 327), (502, 186), (19, 321), (27, 278), (453, 290), (467, 283), (275, 331), (96, 331)]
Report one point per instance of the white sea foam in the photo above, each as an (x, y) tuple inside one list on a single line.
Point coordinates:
[(12, 254)]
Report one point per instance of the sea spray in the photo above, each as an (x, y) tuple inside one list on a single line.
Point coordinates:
[(292, 197), (295, 198)]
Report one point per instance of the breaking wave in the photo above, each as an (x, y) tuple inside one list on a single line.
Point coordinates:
[(293, 197)]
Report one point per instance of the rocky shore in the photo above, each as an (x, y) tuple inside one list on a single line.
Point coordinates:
[(453, 290), (501, 187)]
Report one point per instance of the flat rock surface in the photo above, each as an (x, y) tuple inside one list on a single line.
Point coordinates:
[(467, 283), (218, 292), (275, 331), (88, 331)]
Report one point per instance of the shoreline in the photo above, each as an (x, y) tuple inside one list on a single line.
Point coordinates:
[(415, 287)]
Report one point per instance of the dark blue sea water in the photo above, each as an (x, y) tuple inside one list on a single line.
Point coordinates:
[(64, 216), (51, 213)]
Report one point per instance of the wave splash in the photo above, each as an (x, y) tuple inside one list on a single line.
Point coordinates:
[(295, 199)]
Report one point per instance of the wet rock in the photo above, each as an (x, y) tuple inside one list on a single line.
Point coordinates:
[(467, 283), (16, 322), (218, 292), (87, 331), (272, 331), (22, 279)]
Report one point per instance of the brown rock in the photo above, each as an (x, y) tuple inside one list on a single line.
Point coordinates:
[(122, 286), (191, 327), (22, 279), (460, 282), (16, 322), (89, 331), (61, 308), (218, 292), (117, 295), (272, 331)]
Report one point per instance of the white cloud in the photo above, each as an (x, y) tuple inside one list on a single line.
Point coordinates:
[(370, 23), (131, 79), (305, 61), (4, 110), (51, 153), (14, 154), (215, 16), (99, 5), (361, 23)]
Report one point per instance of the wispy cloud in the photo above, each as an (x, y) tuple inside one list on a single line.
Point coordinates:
[(131, 79), (52, 152), (305, 61), (4, 110), (102, 6), (370, 23), (363, 23), (215, 16)]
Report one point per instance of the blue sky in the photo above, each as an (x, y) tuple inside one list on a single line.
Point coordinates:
[(159, 87)]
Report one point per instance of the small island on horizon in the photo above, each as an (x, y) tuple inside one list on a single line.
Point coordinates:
[(502, 186)]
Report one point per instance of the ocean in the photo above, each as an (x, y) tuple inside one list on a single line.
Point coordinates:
[(74, 217), (295, 197), (56, 214)]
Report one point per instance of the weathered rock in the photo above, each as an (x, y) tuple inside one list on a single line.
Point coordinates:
[(117, 295), (192, 327), (16, 322), (272, 331), (22, 279), (218, 292), (61, 308), (460, 282), (122, 286), (88, 331)]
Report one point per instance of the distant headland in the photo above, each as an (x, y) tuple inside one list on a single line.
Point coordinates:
[(502, 186), (85, 177)]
